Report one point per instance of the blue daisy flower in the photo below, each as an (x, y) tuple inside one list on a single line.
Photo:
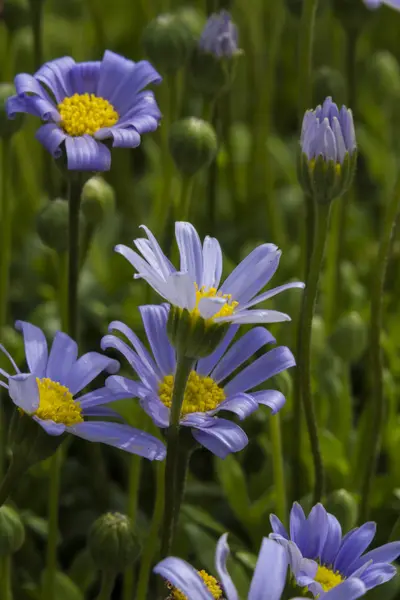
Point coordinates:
[(319, 537), (220, 35), (48, 393), (268, 580), (196, 286), (209, 388), (88, 106)]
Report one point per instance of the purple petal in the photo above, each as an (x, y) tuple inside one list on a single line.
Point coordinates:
[(221, 439), (102, 411), (333, 541), (190, 251), (208, 307), (184, 577), (87, 368), (147, 272), (221, 557), (27, 84), (55, 75), (241, 351), (23, 391), (156, 410), (206, 365), (384, 554), (315, 531), (84, 77), (242, 405), (272, 398), (377, 574), (35, 347), (348, 590), (126, 387), (121, 138), (121, 436), (51, 137), (32, 105), (148, 376), (155, 324), (347, 126), (277, 526), (50, 427), (156, 256), (255, 316), (182, 291), (10, 358), (100, 396), (212, 262), (353, 546), (273, 362), (145, 115), (270, 573), (273, 292), (84, 153), (340, 145), (63, 354), (136, 343), (297, 521)]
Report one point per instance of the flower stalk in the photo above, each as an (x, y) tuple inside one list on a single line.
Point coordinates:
[(5, 577), (107, 585)]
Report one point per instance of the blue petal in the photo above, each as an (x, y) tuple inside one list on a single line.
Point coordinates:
[(246, 317), (156, 410), (100, 396), (273, 292), (242, 405), (102, 411), (63, 354), (84, 77), (184, 577), (270, 573), (145, 115), (155, 324), (147, 375), (32, 105), (347, 126), (221, 556), (241, 351), (136, 344), (84, 153), (208, 307), (27, 84), (221, 439), (277, 526), (206, 365), (55, 75), (333, 541), (353, 546), (190, 251), (315, 531), (126, 387), (272, 398), (268, 365), (121, 138), (35, 347), (87, 368), (120, 436), (155, 256), (297, 521), (23, 391), (377, 574), (50, 427), (384, 554), (348, 590), (51, 137), (212, 262)]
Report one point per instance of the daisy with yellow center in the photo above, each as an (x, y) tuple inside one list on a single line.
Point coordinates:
[(85, 114), (201, 395), (57, 404), (210, 582), (327, 578)]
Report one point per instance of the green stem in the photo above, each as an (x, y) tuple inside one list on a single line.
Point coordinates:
[(94, 9), (107, 585), (376, 367), (62, 264), (185, 198), (332, 265), (74, 198), (278, 467), (36, 7), (5, 231), (52, 519), (304, 356), (5, 578), (15, 470), (183, 367), (152, 540)]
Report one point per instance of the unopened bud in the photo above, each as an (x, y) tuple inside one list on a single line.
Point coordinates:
[(349, 340), (168, 41), (193, 144), (8, 126), (344, 507), (14, 14), (113, 542), (12, 532), (97, 196)]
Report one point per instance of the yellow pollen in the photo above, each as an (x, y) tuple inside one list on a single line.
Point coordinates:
[(226, 311), (202, 393), (328, 578), (212, 585), (86, 113), (57, 404)]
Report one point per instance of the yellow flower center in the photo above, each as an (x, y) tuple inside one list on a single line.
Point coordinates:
[(212, 585), (86, 113), (328, 578), (201, 394), (226, 311), (57, 404)]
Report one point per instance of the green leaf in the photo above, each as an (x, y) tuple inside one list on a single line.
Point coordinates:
[(65, 588)]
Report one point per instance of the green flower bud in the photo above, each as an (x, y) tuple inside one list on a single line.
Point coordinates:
[(12, 532), (113, 542), (343, 505), (191, 335), (15, 14), (193, 144), (193, 20), (8, 126), (168, 41), (349, 340), (97, 195), (52, 225), (384, 74), (328, 82)]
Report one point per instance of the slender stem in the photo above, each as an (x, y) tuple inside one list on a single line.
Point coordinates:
[(5, 230), (376, 367), (75, 189), (185, 198), (278, 467), (183, 368), (15, 470), (62, 264), (52, 539), (107, 585), (152, 540), (332, 265), (304, 356), (5, 578), (36, 7)]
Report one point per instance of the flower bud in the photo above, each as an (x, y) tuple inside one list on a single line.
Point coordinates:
[(12, 531), (14, 14), (344, 507), (8, 126), (193, 144), (328, 82), (191, 335), (328, 152), (384, 74), (193, 20), (97, 195), (168, 41), (113, 543), (349, 340)]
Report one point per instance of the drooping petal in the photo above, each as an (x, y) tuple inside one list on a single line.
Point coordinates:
[(87, 368), (100, 396), (55, 75), (353, 546), (84, 153), (206, 365), (63, 354), (273, 292), (32, 105), (246, 317), (120, 436), (155, 324), (184, 577), (272, 398), (222, 439), (50, 427), (212, 262), (243, 405), (121, 137), (221, 556), (273, 362), (241, 351), (51, 137), (23, 391), (270, 573), (384, 554), (156, 410), (190, 251), (36, 352)]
